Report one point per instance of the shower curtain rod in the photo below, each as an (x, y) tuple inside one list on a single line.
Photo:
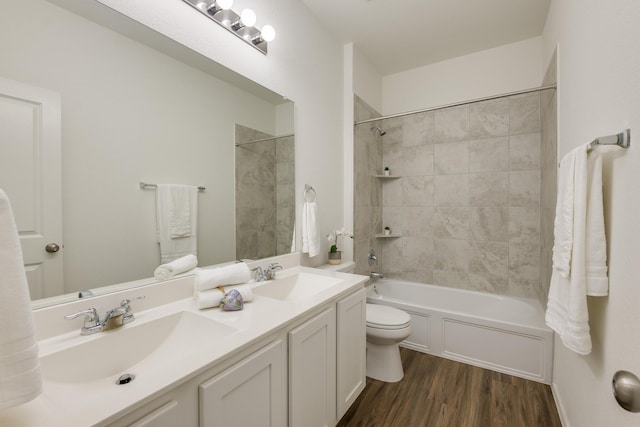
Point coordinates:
[(271, 138), (456, 104)]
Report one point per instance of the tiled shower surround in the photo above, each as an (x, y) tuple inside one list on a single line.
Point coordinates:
[(265, 200), (466, 202)]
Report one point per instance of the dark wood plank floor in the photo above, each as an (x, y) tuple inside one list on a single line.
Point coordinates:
[(437, 392)]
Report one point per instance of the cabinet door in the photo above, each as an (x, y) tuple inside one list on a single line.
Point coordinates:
[(164, 416), (351, 352), (312, 372), (250, 393)]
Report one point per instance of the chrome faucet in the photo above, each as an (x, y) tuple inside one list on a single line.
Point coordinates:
[(113, 318), (268, 273), (376, 275)]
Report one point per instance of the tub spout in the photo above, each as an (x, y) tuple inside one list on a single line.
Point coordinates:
[(375, 275)]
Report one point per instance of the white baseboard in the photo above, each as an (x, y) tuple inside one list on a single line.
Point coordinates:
[(561, 411)]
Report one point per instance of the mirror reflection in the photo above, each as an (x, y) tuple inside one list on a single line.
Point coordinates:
[(265, 198), (128, 113)]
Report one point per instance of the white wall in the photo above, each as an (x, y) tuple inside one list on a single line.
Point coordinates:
[(599, 94), (304, 64), (367, 83), (489, 72)]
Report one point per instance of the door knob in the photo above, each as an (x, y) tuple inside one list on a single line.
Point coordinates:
[(52, 248)]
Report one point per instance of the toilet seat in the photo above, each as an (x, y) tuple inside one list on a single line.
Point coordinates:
[(384, 317)]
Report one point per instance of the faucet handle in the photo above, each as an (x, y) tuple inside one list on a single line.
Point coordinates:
[(91, 317), (128, 314), (274, 266), (259, 277)]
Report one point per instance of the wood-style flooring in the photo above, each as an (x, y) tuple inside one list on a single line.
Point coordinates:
[(437, 392)]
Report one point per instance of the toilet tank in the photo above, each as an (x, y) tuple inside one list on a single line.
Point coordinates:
[(345, 267)]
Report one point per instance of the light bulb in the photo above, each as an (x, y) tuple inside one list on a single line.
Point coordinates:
[(248, 17), (268, 33), (202, 5), (225, 4)]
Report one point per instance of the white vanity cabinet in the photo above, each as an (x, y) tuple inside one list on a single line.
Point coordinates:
[(164, 416), (351, 349), (250, 393), (305, 374), (312, 371), (327, 363)]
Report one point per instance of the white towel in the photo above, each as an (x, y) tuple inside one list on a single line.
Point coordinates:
[(310, 235), (596, 241), (567, 312), (20, 378), (176, 221), (563, 225), (212, 297), (180, 265), (228, 275)]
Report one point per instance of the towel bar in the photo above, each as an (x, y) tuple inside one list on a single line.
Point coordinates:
[(622, 139), (144, 185)]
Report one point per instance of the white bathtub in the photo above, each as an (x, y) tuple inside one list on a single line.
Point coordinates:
[(501, 333)]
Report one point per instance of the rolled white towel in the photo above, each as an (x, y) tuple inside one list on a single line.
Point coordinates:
[(212, 297), (180, 265), (229, 275)]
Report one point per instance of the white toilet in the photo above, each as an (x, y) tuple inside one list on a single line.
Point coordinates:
[(386, 328)]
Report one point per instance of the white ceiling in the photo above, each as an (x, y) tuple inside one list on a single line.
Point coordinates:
[(397, 35)]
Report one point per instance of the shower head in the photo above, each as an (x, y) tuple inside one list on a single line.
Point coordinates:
[(380, 131)]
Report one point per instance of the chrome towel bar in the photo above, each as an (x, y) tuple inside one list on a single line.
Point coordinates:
[(144, 185), (622, 139)]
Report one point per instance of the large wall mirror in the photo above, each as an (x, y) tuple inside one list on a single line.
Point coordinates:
[(136, 106)]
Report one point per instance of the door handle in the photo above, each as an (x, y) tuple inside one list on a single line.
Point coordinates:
[(52, 248)]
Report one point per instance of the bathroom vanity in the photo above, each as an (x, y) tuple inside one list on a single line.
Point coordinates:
[(295, 355)]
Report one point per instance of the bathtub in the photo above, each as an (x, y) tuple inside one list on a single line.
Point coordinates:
[(496, 332)]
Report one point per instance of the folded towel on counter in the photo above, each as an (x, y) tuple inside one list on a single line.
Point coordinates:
[(567, 313), (167, 271), (310, 235), (212, 297), (176, 221), (20, 377), (228, 275)]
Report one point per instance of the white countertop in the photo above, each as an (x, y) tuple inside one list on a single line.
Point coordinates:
[(102, 401)]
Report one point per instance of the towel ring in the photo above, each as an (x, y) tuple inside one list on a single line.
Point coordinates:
[(309, 193)]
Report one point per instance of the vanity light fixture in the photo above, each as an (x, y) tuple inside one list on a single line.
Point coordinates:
[(241, 25)]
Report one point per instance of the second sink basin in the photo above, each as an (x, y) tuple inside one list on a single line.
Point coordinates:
[(112, 353), (297, 287)]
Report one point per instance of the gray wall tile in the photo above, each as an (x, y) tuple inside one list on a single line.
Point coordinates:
[(524, 113), (452, 223), (417, 190), (489, 118), (524, 151), (451, 158), (489, 223), (418, 129), (489, 189), (418, 160), (451, 190), (451, 124), (488, 266), (489, 155), (524, 188)]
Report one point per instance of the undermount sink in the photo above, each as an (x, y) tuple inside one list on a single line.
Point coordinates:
[(297, 287), (136, 346)]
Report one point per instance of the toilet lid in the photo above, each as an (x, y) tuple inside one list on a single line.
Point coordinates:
[(383, 316)]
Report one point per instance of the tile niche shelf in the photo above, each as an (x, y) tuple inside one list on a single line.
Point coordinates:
[(388, 176), (387, 236)]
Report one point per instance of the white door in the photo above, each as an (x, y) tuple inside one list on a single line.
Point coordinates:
[(30, 134)]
